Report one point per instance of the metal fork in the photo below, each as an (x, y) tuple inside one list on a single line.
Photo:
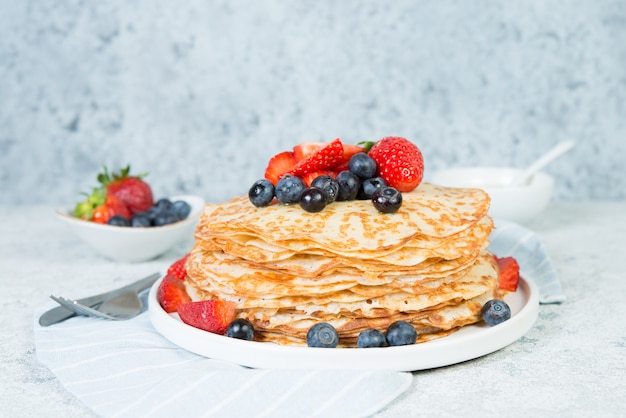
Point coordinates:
[(85, 310)]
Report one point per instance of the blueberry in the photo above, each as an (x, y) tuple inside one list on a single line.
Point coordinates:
[(349, 184), (371, 337), (289, 189), (362, 165), (165, 218), (401, 333), (118, 220), (313, 199), (163, 204), (387, 199), (141, 220), (261, 193), (495, 312), (329, 185), (369, 186), (240, 328), (181, 209), (322, 335)]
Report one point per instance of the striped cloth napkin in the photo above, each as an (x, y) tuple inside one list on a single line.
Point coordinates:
[(127, 369)]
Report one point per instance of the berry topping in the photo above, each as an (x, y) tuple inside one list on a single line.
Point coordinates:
[(304, 150), (349, 185), (362, 165), (401, 333), (495, 312), (325, 158), (387, 199), (177, 269), (371, 337), (509, 273), (172, 293), (329, 185), (308, 179), (322, 335), (289, 189), (399, 162), (261, 193), (369, 186), (313, 199), (279, 165), (240, 328), (209, 315)]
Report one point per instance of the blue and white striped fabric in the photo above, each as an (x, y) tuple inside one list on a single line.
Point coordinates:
[(511, 239), (127, 369)]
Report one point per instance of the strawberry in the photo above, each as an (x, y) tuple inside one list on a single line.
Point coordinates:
[(177, 269), (172, 293), (111, 207), (323, 159), (132, 190), (305, 149), (509, 273), (400, 162), (209, 315), (350, 150), (279, 165), (308, 178)]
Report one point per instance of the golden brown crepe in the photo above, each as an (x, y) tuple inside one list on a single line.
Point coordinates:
[(349, 265)]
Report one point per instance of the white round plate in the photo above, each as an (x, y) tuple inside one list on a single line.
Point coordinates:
[(468, 343)]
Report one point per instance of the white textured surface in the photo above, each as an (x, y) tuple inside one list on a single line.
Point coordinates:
[(572, 363), (201, 94)]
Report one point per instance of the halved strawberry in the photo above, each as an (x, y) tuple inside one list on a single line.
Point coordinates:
[(279, 165), (308, 179), (350, 150), (305, 149), (171, 294), (324, 159), (209, 315), (509, 273), (177, 269)]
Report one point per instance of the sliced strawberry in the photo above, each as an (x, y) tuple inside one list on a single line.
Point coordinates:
[(400, 162), (324, 159), (350, 150), (209, 315), (177, 269), (509, 273), (308, 179), (305, 149), (279, 165), (172, 293)]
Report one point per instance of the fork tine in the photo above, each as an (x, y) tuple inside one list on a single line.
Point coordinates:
[(81, 309)]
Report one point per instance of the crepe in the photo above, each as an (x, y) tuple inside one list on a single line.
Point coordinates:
[(348, 265)]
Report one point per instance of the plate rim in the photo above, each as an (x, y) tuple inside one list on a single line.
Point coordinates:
[(428, 355)]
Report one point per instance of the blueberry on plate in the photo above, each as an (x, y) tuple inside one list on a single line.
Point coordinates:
[(349, 184), (371, 337), (401, 333), (261, 193), (369, 186), (240, 328), (387, 199), (495, 312), (289, 189), (322, 335), (329, 185), (362, 165), (313, 199)]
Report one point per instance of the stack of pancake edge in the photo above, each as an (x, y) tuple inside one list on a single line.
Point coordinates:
[(349, 265)]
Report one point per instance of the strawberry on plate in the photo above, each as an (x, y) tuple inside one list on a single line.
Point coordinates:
[(171, 294), (132, 190), (400, 162), (305, 149), (308, 178), (509, 273), (279, 165), (209, 315), (323, 159), (177, 269)]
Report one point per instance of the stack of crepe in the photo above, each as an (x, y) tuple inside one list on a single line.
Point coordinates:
[(349, 265)]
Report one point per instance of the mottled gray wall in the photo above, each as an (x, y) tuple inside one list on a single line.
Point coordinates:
[(202, 93)]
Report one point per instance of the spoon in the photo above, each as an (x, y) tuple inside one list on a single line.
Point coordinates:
[(542, 161)]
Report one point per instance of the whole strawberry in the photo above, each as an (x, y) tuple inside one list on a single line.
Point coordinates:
[(400, 162), (132, 190)]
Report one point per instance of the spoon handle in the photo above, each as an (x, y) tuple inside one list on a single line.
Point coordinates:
[(555, 152)]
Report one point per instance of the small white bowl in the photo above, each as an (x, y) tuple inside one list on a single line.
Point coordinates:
[(130, 245), (513, 203)]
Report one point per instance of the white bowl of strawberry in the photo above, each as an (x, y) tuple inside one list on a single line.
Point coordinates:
[(121, 220)]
